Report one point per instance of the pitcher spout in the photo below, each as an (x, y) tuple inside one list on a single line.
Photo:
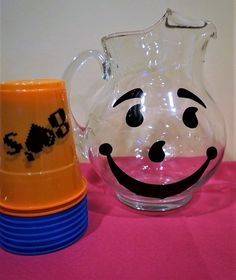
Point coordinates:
[(174, 20), (198, 31)]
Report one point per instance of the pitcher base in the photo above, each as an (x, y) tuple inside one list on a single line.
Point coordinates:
[(155, 205)]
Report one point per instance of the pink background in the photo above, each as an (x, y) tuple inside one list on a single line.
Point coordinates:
[(197, 241)]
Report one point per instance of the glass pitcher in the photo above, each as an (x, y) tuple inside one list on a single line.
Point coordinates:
[(154, 133)]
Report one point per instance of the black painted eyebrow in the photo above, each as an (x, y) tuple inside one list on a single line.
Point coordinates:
[(134, 93), (184, 93)]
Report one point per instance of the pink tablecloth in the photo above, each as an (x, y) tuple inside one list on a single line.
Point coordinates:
[(195, 242)]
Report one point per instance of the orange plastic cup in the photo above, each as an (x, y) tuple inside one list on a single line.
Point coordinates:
[(39, 171)]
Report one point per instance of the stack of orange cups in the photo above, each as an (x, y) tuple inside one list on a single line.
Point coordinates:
[(42, 193)]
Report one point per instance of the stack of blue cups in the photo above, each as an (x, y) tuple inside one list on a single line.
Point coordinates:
[(45, 234)]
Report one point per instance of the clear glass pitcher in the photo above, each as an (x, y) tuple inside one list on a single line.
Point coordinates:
[(154, 133)]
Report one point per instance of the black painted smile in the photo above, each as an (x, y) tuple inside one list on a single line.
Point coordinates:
[(155, 190)]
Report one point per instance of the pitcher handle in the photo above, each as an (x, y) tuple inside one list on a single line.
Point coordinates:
[(77, 62)]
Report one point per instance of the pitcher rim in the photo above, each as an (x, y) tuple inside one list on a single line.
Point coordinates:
[(168, 13)]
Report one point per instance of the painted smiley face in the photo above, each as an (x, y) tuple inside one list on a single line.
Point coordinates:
[(134, 118)]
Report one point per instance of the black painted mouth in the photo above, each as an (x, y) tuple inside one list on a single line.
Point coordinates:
[(155, 190)]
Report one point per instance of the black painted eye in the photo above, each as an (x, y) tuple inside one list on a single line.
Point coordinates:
[(190, 118), (134, 117)]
